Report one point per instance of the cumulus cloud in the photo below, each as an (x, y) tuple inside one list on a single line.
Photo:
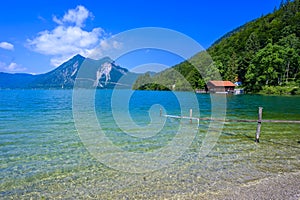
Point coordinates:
[(65, 40), (6, 45), (75, 16), (68, 37), (12, 67)]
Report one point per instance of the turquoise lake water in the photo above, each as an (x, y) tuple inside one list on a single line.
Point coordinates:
[(42, 155)]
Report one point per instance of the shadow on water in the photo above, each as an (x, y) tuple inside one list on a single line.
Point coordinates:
[(281, 144), (243, 135), (228, 134), (249, 137)]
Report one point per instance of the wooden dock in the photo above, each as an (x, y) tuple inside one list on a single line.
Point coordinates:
[(259, 121)]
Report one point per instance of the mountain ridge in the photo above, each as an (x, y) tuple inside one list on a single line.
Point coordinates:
[(102, 73)]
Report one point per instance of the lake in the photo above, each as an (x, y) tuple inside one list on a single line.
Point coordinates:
[(124, 149)]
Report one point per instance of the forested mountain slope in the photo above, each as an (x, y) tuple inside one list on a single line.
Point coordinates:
[(263, 54)]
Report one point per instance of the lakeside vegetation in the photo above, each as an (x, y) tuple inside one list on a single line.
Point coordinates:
[(263, 54)]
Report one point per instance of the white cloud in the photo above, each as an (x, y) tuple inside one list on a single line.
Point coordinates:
[(65, 40), (110, 44), (68, 37), (75, 16), (6, 45), (117, 45), (12, 67)]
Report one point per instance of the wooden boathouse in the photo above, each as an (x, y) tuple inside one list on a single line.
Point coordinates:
[(220, 87)]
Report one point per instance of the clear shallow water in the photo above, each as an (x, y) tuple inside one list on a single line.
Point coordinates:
[(42, 156)]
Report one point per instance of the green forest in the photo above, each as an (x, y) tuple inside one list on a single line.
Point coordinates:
[(263, 54)]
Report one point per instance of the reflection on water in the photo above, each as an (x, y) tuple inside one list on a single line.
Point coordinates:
[(42, 156)]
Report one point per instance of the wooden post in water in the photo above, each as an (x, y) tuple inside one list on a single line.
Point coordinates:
[(160, 112), (191, 115), (260, 110)]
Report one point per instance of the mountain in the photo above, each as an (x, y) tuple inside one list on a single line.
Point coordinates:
[(61, 77), (103, 73), (263, 54)]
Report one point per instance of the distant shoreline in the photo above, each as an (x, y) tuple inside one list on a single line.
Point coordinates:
[(258, 93)]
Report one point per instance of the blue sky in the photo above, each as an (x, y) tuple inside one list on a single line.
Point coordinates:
[(37, 36)]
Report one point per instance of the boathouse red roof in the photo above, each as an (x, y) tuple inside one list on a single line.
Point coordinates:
[(222, 83)]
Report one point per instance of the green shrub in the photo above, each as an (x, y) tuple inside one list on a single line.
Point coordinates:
[(280, 90)]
